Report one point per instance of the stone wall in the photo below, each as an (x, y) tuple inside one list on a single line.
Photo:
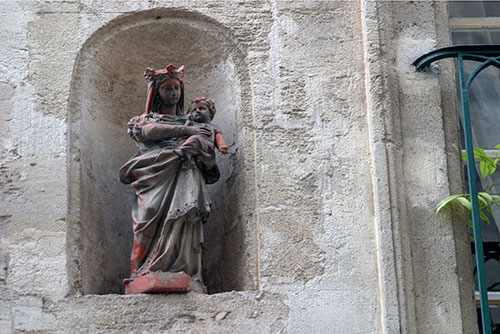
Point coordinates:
[(324, 220)]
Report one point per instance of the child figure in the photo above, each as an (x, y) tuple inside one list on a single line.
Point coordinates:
[(200, 113)]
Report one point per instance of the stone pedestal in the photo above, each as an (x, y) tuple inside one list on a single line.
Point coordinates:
[(163, 282)]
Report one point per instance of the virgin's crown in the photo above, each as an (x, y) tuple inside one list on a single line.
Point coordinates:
[(168, 72)]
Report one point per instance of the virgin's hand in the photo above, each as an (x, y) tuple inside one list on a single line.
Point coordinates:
[(197, 130)]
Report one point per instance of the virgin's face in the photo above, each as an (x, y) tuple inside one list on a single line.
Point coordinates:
[(170, 91)]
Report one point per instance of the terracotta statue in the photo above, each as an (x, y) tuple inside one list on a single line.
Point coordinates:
[(176, 160)]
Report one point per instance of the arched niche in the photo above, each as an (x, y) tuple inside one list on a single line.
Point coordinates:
[(108, 88)]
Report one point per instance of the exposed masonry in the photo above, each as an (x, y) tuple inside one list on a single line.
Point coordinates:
[(340, 150)]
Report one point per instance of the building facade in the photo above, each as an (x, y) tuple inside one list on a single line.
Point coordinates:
[(324, 216)]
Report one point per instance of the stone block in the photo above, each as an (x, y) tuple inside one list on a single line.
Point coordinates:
[(162, 282), (28, 315)]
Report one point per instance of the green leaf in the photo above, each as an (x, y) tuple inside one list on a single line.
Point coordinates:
[(495, 197), (497, 146), (446, 201), (487, 158), (488, 188), (479, 152), (464, 155), (492, 166), (484, 168), (496, 161), (486, 196), (484, 217), (483, 202), (493, 169), (465, 202)]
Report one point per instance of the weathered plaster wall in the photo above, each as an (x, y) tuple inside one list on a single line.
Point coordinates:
[(341, 164), (428, 127), (424, 267)]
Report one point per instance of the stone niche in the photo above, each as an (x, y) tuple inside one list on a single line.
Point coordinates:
[(108, 88)]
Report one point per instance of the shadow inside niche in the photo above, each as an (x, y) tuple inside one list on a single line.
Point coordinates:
[(108, 90)]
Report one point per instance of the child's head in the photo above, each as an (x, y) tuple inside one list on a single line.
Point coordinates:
[(202, 110)]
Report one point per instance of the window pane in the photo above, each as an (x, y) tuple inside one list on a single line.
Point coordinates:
[(484, 92), (474, 8)]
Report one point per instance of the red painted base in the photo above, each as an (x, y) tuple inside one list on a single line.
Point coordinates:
[(163, 282)]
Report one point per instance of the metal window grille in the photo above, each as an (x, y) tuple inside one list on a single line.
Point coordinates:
[(486, 56)]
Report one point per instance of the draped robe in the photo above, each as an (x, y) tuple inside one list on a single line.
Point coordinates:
[(171, 202)]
